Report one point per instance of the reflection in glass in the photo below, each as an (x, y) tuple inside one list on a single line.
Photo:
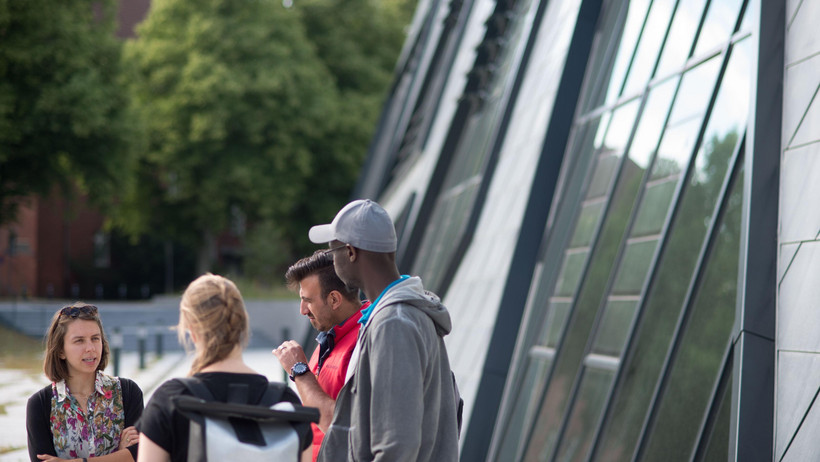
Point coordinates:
[(543, 440), (634, 266), (698, 364), (676, 267), (718, 25), (620, 128), (695, 90), (554, 327), (612, 332), (591, 211), (718, 444), (577, 439), (654, 207), (643, 65), (685, 120), (679, 43), (653, 117), (465, 175), (524, 407), (608, 162), (571, 273), (629, 37)]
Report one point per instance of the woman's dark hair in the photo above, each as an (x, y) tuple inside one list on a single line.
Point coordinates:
[(56, 368)]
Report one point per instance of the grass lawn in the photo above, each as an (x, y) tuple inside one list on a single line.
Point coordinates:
[(18, 351)]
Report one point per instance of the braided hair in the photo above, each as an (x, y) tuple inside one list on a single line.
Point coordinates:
[(213, 311)]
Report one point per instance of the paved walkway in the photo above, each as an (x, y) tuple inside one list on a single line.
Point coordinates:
[(16, 386)]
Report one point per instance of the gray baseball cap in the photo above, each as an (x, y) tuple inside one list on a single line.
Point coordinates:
[(363, 224)]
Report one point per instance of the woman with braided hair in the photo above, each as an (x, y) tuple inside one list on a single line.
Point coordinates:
[(213, 318)]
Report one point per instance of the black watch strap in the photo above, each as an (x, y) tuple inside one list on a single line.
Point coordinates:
[(298, 369)]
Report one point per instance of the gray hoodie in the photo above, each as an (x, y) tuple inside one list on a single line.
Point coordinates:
[(399, 402)]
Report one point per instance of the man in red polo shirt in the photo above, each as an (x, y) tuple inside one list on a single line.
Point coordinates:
[(334, 310)]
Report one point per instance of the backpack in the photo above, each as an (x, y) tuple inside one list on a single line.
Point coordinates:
[(238, 430)]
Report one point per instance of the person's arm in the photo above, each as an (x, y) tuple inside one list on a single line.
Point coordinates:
[(310, 392), (151, 452), (132, 401), (38, 426), (40, 440), (396, 367)]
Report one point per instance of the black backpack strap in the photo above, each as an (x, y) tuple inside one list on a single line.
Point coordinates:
[(273, 394), (196, 387)]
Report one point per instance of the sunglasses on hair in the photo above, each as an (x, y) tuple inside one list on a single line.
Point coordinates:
[(74, 311)]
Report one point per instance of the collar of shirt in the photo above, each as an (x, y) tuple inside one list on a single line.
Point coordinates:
[(369, 310), (62, 387)]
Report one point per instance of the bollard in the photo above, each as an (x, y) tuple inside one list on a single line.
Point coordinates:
[(159, 343), (141, 334), (116, 345)]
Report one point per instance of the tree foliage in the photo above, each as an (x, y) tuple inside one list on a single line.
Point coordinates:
[(63, 118), (358, 41), (252, 106), (229, 91)]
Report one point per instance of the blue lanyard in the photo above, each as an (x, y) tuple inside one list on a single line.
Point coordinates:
[(367, 311)]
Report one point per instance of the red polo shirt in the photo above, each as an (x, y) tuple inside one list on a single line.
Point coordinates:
[(332, 375)]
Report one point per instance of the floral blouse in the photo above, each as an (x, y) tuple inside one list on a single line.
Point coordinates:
[(95, 432)]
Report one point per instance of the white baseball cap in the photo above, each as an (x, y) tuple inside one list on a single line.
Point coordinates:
[(363, 224)]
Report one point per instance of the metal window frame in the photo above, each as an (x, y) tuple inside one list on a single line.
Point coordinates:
[(752, 424)]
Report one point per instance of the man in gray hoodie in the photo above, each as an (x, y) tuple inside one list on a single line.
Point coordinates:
[(399, 401)]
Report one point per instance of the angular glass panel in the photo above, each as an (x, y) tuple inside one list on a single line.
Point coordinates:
[(718, 25), (554, 326), (603, 175), (600, 62), (675, 150), (634, 266), (654, 114), (718, 446), (571, 273), (676, 267), (586, 413), (696, 88), (620, 128), (525, 404), (614, 327), (598, 142), (728, 117), (543, 440), (686, 119), (681, 36), (698, 364), (628, 38), (643, 65), (456, 202), (750, 16), (587, 223), (655, 207)]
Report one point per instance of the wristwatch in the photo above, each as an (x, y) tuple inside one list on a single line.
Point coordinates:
[(298, 369)]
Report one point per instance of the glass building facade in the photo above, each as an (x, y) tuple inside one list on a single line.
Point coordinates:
[(603, 193)]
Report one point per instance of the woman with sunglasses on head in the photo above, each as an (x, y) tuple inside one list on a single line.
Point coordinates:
[(84, 412)]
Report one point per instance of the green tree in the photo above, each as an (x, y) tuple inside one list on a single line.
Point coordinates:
[(232, 95), (64, 121), (359, 42)]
